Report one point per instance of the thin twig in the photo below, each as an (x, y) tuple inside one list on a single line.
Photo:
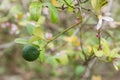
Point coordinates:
[(81, 45), (99, 39), (88, 69), (54, 38), (69, 4)]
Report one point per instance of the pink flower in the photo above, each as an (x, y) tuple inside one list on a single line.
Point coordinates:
[(48, 35), (14, 29)]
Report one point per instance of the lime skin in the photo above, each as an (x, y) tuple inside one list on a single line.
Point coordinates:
[(30, 53)]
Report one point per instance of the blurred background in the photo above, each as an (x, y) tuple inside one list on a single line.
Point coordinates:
[(13, 16)]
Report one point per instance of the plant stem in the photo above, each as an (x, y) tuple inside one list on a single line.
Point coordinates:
[(80, 31), (99, 38), (59, 34), (69, 4)]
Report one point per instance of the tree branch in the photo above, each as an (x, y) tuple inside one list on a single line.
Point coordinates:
[(7, 45), (59, 34)]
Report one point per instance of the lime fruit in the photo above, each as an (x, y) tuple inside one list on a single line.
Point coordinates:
[(30, 53)]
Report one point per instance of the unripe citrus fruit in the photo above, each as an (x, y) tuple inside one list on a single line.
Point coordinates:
[(30, 53)]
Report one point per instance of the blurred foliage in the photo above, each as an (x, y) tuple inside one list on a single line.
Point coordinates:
[(38, 22)]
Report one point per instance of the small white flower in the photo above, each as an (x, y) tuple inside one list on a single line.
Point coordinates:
[(101, 18)]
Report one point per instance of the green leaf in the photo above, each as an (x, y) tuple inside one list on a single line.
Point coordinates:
[(53, 13), (98, 53), (102, 3), (105, 45), (70, 2), (79, 70), (81, 55), (34, 38), (35, 10), (70, 9), (41, 20), (114, 53), (62, 58), (42, 43), (21, 41), (38, 32), (51, 60), (94, 3), (15, 10), (42, 55), (36, 43), (98, 4), (30, 28)]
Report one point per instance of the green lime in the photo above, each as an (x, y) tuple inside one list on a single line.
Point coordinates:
[(30, 53)]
